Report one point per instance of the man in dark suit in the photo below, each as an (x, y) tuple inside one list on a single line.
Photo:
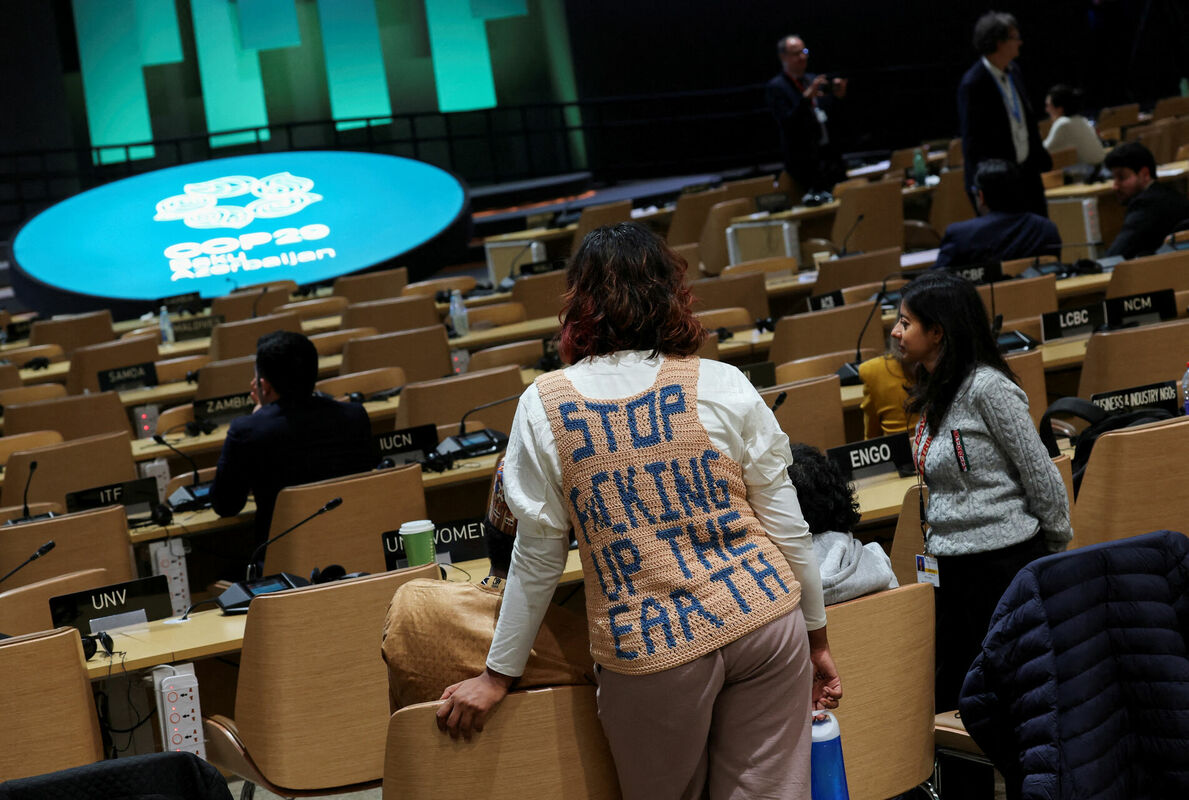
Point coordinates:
[(1154, 210), (996, 117), (1005, 230), (802, 104), (292, 436)]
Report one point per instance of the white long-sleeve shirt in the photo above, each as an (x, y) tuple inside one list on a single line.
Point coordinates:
[(1076, 132), (739, 424)]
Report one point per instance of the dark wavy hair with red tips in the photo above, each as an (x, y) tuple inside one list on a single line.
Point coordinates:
[(626, 291)]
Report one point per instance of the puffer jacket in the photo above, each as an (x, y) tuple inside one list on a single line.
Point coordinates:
[(1082, 686)]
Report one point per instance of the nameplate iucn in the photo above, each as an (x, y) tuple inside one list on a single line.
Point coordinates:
[(195, 327), (891, 453), (1069, 322), (221, 410), (408, 445), (133, 376), (1161, 395), (458, 540)]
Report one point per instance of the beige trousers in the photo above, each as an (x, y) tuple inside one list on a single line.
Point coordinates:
[(731, 724)]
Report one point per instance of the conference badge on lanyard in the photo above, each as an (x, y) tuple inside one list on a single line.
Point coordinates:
[(927, 571)]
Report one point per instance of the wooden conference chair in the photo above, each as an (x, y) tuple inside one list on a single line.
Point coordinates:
[(250, 303), (597, 216), (817, 366), (444, 401), (68, 467), (689, 215), (95, 539), (235, 339), (396, 314), (858, 269), (75, 417), (87, 362), (317, 308), (882, 207), (811, 412), (541, 295), (712, 244), (1134, 357), (429, 288), (74, 331), (745, 291), (366, 383), (380, 285), (522, 354), (828, 331), (423, 353), (26, 609)]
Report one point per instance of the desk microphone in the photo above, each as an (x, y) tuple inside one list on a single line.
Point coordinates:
[(256, 302), (846, 239), (159, 439), (849, 373), (780, 398), (41, 551), (479, 442), (253, 567), (25, 496)]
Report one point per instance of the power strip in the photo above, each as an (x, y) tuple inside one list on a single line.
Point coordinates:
[(157, 468), (169, 559), (178, 710), (144, 420)]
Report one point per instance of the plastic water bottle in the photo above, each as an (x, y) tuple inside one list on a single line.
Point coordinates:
[(1185, 388), (826, 770), (920, 169), (458, 314), (166, 326)]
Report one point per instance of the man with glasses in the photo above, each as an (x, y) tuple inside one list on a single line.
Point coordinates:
[(996, 116), (803, 104)]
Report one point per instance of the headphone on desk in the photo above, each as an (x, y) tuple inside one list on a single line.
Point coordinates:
[(91, 642)]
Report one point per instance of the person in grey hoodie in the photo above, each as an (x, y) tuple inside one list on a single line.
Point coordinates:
[(848, 567), (996, 501)]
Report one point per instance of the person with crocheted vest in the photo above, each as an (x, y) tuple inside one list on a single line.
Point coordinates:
[(704, 601)]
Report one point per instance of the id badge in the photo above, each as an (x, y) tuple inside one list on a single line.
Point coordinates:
[(927, 570)]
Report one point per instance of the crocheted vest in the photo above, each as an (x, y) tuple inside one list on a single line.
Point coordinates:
[(676, 563)]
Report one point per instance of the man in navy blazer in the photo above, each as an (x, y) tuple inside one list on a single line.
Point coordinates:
[(802, 104), (1005, 230), (1154, 210), (292, 436), (996, 117)]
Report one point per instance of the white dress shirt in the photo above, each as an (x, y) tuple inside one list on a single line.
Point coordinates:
[(1014, 106)]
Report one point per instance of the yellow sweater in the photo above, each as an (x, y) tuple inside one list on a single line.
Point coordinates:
[(884, 397)]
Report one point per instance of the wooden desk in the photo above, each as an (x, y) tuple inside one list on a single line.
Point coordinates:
[(204, 634)]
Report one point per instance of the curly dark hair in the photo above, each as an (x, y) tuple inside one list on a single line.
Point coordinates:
[(991, 29), (827, 500), (626, 291)]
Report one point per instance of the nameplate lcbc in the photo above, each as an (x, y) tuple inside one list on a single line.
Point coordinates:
[(1080, 321), (891, 453), (1141, 309), (761, 374), (195, 327), (408, 445), (832, 299), (1161, 395), (460, 540), (221, 410), (133, 376)]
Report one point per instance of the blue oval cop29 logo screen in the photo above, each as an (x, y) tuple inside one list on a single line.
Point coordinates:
[(214, 225)]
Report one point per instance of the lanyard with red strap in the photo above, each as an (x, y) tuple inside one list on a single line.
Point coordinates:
[(921, 451)]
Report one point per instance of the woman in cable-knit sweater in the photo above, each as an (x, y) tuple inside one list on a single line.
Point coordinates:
[(703, 597), (996, 501)]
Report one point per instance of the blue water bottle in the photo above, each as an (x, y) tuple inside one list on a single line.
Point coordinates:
[(827, 772)]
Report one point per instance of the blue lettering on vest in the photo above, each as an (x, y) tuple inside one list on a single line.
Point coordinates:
[(603, 410), (612, 594), (579, 514), (629, 497), (647, 623), (594, 561), (708, 545), (655, 468), (577, 424), (639, 440), (687, 604), (715, 486), (685, 493), (602, 518), (672, 402), (729, 536), (626, 568), (760, 576), (618, 631), (670, 535), (724, 576)]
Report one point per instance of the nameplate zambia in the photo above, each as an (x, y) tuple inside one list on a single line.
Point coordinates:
[(195, 327), (17, 331), (1141, 309), (459, 540), (190, 303), (988, 272), (221, 410), (886, 454), (1161, 395), (408, 445), (85, 610), (832, 299), (1080, 321), (133, 376), (761, 374)]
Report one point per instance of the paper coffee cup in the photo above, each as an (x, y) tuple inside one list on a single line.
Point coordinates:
[(417, 537)]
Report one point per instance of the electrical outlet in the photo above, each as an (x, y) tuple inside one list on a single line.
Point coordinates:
[(157, 468), (169, 559), (178, 709), (144, 420)]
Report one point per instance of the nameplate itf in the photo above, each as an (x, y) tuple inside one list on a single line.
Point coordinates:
[(886, 454), (1141, 309), (408, 445), (221, 410), (1161, 395), (195, 327), (1080, 321), (133, 376), (832, 299), (459, 540)]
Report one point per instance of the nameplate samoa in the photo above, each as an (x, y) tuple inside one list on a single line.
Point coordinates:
[(17, 331), (1161, 395), (1141, 309), (133, 376), (87, 610), (761, 374), (1080, 321), (221, 410), (408, 445), (988, 272), (832, 299), (459, 540), (195, 327), (871, 457), (190, 303)]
